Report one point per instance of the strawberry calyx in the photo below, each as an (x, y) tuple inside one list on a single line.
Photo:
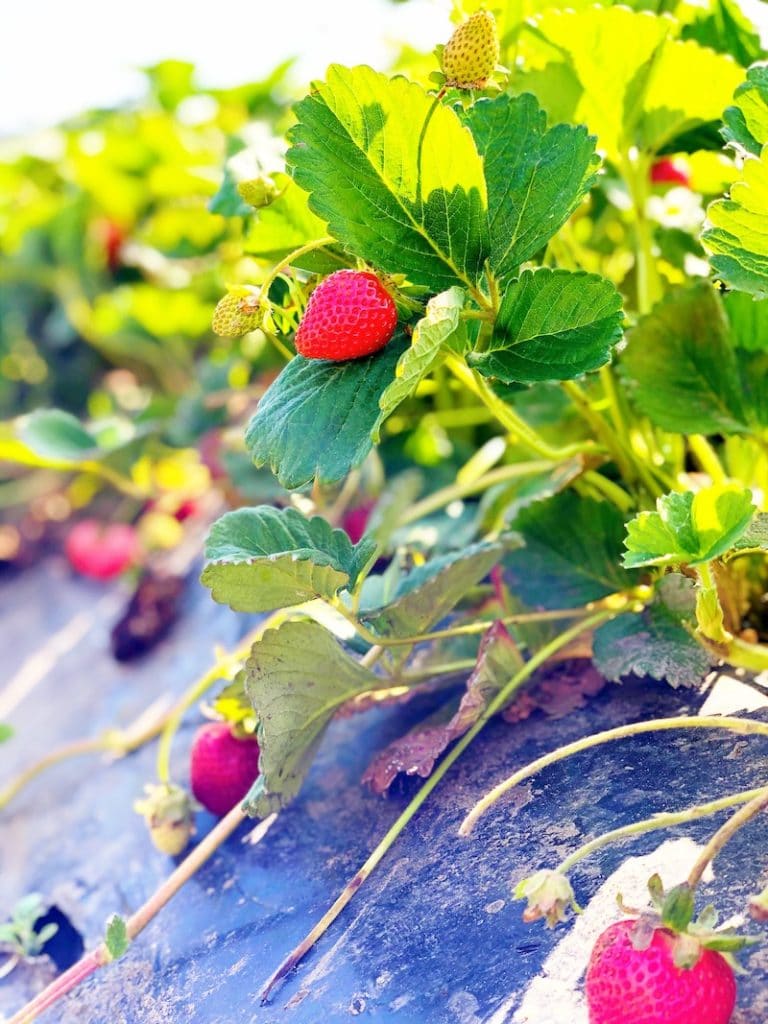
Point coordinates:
[(549, 894), (673, 912), (169, 813)]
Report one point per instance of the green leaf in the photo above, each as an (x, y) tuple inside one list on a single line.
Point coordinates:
[(656, 642), (429, 592), (552, 325), (297, 678), (6, 732), (315, 420), (673, 101), (748, 321), (746, 122), (228, 202), (639, 85), (57, 435), (535, 177), (116, 938), (571, 555), (726, 29), (736, 237), (259, 559), (687, 528), (394, 174), (755, 537), (681, 369), (438, 329)]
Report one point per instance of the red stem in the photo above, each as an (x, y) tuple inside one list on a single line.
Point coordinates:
[(60, 986)]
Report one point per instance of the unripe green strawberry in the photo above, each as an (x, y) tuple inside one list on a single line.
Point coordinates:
[(258, 192), (472, 52), (350, 314), (237, 313), (169, 812)]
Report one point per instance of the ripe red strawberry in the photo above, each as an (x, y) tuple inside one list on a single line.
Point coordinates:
[(471, 54), (101, 552), (667, 172), (356, 519), (645, 986), (350, 314), (112, 239), (222, 767)]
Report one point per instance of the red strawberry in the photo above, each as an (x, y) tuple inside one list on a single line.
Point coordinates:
[(112, 239), (101, 552), (356, 519), (350, 314), (222, 767), (645, 986), (667, 172)]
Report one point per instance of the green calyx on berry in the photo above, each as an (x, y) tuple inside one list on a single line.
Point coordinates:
[(169, 812), (239, 312), (673, 912), (549, 895), (471, 54)]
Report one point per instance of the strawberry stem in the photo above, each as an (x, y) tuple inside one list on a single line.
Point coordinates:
[(514, 423), (657, 821), (726, 832), (439, 499), (100, 956), (742, 726), (317, 243), (500, 701), (120, 742)]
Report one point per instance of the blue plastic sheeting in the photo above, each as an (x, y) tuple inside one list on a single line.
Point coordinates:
[(434, 936)]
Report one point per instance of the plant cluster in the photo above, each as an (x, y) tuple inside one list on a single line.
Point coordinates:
[(525, 421)]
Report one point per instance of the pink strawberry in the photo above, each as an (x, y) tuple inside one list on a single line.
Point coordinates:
[(668, 172), (643, 985), (350, 314), (99, 551), (222, 767), (356, 519)]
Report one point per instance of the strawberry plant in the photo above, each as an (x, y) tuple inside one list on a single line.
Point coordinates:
[(479, 272)]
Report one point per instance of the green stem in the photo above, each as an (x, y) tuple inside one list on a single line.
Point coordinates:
[(448, 668), (514, 423), (77, 749), (725, 833), (742, 726), (613, 398), (658, 821), (707, 458), (317, 243), (743, 655), (502, 474), (635, 174), (600, 427), (610, 490), (501, 699), (709, 611)]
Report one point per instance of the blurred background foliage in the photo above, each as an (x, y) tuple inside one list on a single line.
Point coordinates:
[(120, 229)]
